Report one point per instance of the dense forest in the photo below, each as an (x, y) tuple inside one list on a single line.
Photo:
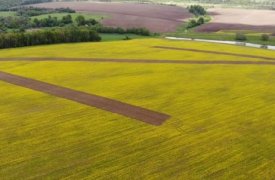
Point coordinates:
[(48, 36), (22, 19)]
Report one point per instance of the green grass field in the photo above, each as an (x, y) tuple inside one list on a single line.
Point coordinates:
[(7, 13), (116, 37), (225, 35), (221, 127)]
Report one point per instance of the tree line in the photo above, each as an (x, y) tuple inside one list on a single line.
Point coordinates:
[(239, 36), (35, 11), (118, 30), (52, 21), (61, 35), (21, 23), (65, 20), (50, 36)]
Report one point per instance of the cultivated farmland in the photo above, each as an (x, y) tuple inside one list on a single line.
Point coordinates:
[(240, 19), (131, 15), (218, 108)]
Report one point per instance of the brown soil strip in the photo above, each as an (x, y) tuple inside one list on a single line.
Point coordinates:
[(139, 113), (142, 61), (215, 52)]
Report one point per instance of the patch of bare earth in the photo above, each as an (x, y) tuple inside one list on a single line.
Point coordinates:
[(156, 18), (139, 113), (240, 19)]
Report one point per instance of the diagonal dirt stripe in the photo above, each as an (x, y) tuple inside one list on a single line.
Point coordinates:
[(149, 61), (214, 52), (139, 113)]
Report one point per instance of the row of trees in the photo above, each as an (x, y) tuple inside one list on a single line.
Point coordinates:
[(21, 23), (62, 35), (52, 36), (242, 37), (52, 21), (34, 11), (65, 20), (118, 30)]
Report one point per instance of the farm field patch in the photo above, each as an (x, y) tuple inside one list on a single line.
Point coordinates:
[(138, 49), (239, 19), (229, 35), (221, 125), (131, 15), (7, 13)]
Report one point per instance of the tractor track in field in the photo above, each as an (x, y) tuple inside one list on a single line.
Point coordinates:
[(149, 61), (128, 110), (107, 104), (214, 52)]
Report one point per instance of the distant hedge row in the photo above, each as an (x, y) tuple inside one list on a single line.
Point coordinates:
[(52, 36), (118, 30), (35, 11)]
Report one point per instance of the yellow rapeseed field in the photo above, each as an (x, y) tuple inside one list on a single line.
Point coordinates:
[(137, 49), (222, 123)]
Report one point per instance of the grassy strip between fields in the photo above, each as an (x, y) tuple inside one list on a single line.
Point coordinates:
[(251, 37)]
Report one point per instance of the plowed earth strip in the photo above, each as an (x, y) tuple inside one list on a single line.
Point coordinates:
[(149, 61), (139, 113), (215, 52)]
